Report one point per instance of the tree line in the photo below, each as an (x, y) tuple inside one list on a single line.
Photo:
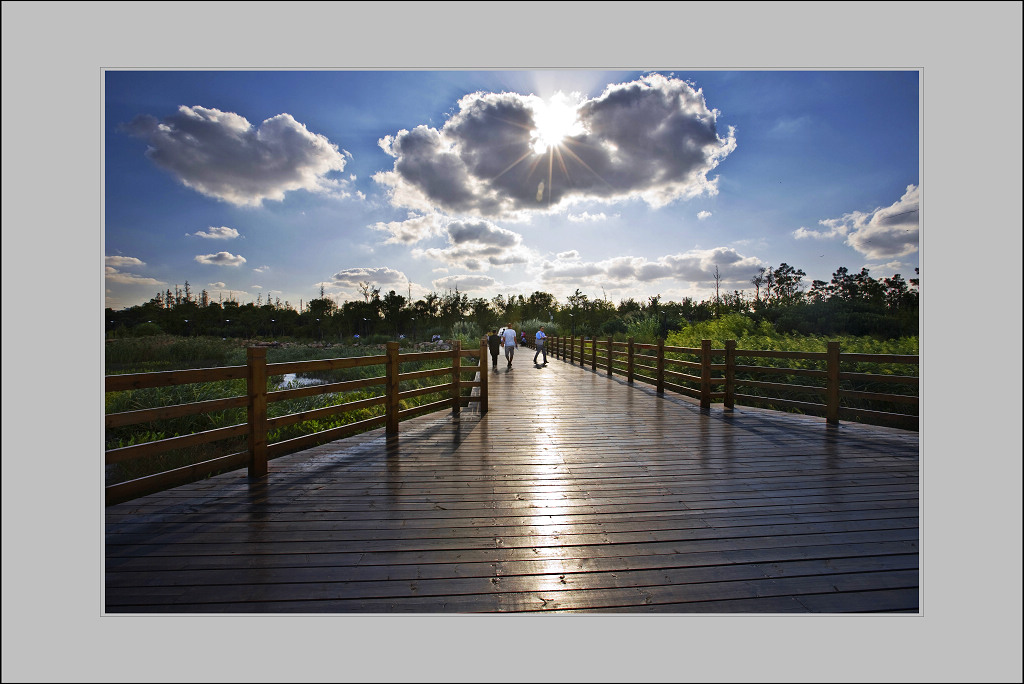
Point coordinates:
[(850, 304)]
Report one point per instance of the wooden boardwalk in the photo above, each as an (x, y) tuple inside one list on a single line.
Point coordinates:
[(575, 493)]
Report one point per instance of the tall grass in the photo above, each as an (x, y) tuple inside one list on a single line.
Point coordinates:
[(751, 335), (531, 325), (167, 352), (468, 333), (762, 336), (643, 330)]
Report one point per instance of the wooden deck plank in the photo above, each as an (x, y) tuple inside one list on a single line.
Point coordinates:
[(767, 563), (692, 583), (416, 526), (576, 492)]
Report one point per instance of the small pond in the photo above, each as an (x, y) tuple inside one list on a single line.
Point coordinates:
[(289, 378)]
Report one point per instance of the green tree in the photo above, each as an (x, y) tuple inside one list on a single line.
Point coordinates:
[(396, 316), (786, 285), (540, 306)]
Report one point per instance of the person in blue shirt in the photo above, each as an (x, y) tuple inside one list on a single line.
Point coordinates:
[(540, 337)]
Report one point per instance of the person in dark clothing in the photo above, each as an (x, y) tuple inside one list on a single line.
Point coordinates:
[(494, 344)]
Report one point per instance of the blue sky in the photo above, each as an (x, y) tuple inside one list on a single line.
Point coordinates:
[(257, 184)]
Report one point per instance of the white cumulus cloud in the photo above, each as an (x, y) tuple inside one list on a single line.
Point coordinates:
[(380, 275), (115, 276), (695, 266), (654, 139), (216, 233), (884, 233), (221, 155), (411, 230), (476, 245), (587, 216), (464, 283), (123, 261), (221, 259)]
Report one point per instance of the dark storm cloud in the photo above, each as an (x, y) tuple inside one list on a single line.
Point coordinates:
[(654, 138), (221, 155)]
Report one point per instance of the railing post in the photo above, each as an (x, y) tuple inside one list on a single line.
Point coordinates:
[(593, 354), (609, 356), (391, 390), (572, 349), (457, 379), (661, 366), (730, 373), (832, 388), (629, 360), (483, 376), (583, 352), (705, 374), (256, 386)]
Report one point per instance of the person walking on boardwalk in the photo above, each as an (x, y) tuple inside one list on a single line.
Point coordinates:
[(494, 344), (540, 337), (511, 343)]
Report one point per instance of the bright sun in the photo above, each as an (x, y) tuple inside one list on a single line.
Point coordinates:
[(555, 121)]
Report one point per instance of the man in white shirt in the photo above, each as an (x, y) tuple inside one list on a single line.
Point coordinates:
[(509, 337), (540, 346)]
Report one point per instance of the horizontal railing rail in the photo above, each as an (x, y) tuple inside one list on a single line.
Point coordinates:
[(256, 372), (831, 389)]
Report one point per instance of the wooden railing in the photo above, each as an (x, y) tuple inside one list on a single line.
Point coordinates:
[(690, 371), (256, 371)]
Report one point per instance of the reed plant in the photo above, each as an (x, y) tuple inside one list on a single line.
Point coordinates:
[(751, 335), (643, 329), (168, 352), (143, 358)]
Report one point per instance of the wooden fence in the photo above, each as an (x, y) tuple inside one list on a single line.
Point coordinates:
[(256, 372), (842, 390)]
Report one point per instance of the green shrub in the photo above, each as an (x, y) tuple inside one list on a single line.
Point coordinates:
[(147, 329), (644, 330), (531, 325), (167, 352), (468, 333)]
